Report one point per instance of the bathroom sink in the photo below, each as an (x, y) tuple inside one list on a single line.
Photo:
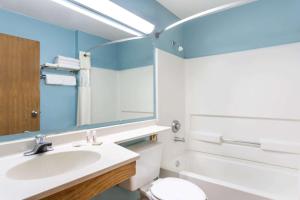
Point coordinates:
[(47, 165)]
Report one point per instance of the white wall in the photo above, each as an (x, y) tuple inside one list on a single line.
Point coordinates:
[(136, 92), (246, 95), (121, 95), (104, 98), (170, 101), (257, 83)]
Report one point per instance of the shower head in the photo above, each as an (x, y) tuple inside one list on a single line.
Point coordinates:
[(177, 46), (180, 48)]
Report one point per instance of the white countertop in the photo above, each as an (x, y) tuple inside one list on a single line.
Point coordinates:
[(112, 156), (134, 134)]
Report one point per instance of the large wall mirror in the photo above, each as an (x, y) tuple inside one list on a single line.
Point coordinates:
[(59, 74), (121, 82)]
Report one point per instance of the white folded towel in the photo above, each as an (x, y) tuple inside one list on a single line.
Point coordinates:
[(66, 60), (68, 66), (67, 63), (53, 79)]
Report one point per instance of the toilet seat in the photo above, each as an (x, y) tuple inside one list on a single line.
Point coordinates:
[(176, 189)]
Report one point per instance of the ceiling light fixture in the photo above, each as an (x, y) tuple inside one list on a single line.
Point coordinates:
[(96, 16), (118, 13)]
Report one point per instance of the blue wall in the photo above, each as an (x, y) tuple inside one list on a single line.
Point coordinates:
[(157, 14), (260, 24), (164, 42), (135, 53), (124, 55), (104, 57), (54, 41), (59, 103)]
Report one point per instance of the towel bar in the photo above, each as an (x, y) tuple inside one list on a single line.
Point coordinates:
[(44, 66)]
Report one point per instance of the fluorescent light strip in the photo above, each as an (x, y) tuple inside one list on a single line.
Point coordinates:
[(95, 16), (116, 12)]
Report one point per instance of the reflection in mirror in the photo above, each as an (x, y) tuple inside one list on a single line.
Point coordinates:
[(120, 82), (44, 88)]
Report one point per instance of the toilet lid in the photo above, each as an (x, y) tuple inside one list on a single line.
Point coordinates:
[(176, 189)]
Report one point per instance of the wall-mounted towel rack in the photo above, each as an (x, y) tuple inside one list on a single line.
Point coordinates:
[(58, 79), (55, 67), (60, 67)]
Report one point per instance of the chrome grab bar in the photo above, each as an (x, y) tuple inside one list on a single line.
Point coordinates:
[(241, 142)]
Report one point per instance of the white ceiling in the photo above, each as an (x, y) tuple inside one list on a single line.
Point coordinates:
[(186, 8), (48, 11)]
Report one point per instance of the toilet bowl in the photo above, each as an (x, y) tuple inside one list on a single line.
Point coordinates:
[(172, 188), (147, 171)]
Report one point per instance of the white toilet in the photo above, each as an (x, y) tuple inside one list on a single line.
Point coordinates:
[(147, 170)]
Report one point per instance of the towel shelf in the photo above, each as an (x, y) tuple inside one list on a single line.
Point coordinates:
[(47, 66), (56, 67)]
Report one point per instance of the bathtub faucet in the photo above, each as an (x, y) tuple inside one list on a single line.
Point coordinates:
[(179, 139)]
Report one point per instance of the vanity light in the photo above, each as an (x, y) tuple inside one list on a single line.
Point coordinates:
[(95, 16), (116, 12)]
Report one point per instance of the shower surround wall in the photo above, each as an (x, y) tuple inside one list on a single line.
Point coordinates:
[(249, 95), (241, 73), (170, 101), (241, 77), (121, 94)]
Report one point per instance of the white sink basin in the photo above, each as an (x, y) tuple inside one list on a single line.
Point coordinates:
[(47, 165)]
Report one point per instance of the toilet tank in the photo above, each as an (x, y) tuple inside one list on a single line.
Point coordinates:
[(147, 166)]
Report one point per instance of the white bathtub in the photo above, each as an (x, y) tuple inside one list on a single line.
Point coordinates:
[(231, 179)]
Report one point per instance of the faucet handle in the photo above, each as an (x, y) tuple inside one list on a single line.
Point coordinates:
[(40, 139)]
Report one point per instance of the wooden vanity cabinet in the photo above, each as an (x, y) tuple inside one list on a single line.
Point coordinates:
[(89, 188)]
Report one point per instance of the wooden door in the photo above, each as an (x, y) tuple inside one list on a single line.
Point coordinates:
[(19, 84)]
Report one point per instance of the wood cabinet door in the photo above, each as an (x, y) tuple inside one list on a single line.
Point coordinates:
[(19, 85)]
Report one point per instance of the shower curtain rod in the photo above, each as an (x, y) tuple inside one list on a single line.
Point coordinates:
[(116, 41), (205, 13), (157, 34)]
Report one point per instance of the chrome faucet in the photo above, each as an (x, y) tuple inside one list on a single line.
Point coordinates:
[(41, 146)]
